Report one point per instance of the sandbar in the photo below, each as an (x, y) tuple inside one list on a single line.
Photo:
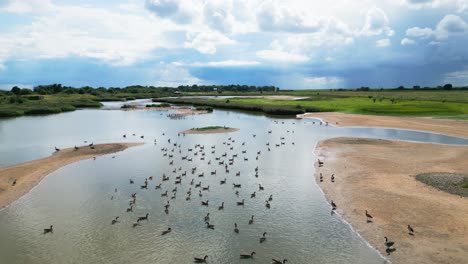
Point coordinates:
[(29, 174), (379, 176)]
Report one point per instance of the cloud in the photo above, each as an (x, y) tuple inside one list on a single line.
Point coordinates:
[(459, 78), (85, 32), (376, 23), (418, 32), (324, 81), (179, 11), (273, 17), (224, 63), (451, 25), (282, 56), (207, 41), (407, 41), (171, 75), (383, 43)]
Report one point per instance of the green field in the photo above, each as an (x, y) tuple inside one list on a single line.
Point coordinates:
[(439, 103), (448, 104)]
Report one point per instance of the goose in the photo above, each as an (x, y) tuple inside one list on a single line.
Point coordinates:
[(200, 193), (270, 198), (369, 217), (131, 181), (49, 230), (235, 228), (116, 220), (206, 188), (130, 209), (158, 186), (236, 185), (167, 205), (166, 231), (200, 260), (251, 220), (275, 261), (205, 203), (174, 190), (221, 207), (164, 194), (241, 203), (333, 205), (223, 181), (260, 187), (253, 195), (263, 238), (57, 149), (135, 224), (198, 185), (13, 183), (207, 217), (209, 226), (410, 230), (76, 148), (141, 218), (267, 204), (388, 243), (246, 256)]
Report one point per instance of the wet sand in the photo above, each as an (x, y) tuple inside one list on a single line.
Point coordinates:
[(210, 131), (444, 126), (379, 176), (29, 174)]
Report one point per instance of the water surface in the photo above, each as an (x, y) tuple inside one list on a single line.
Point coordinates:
[(76, 199)]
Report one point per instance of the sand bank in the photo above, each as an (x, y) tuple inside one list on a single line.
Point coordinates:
[(210, 131), (379, 175), (444, 126), (30, 173)]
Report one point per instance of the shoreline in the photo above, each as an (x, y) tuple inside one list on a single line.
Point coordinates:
[(209, 131), (457, 128), (31, 173), (378, 175), (186, 111)]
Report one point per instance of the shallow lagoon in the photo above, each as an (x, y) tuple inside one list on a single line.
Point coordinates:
[(76, 198)]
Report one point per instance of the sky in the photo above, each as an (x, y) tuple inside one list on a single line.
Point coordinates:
[(292, 44)]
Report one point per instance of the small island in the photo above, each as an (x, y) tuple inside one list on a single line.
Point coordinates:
[(210, 130)]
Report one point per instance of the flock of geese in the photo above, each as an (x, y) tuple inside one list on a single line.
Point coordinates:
[(203, 161), (221, 163)]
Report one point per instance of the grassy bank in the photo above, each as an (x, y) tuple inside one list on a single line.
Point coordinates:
[(14, 105), (339, 102)]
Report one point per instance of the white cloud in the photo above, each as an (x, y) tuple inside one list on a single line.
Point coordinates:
[(418, 32), (223, 63), (76, 31), (451, 25), (377, 23), (206, 41), (26, 6), (407, 41), (171, 75), (383, 43), (272, 16), (459, 78), (324, 81), (179, 11), (282, 56)]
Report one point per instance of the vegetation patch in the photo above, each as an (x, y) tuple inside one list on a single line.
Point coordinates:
[(448, 182), (209, 109), (210, 128)]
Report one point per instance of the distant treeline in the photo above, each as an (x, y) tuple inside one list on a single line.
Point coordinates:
[(138, 89), (447, 86)]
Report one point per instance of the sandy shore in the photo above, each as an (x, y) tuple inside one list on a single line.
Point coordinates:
[(210, 131), (28, 174), (379, 175), (444, 126)]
